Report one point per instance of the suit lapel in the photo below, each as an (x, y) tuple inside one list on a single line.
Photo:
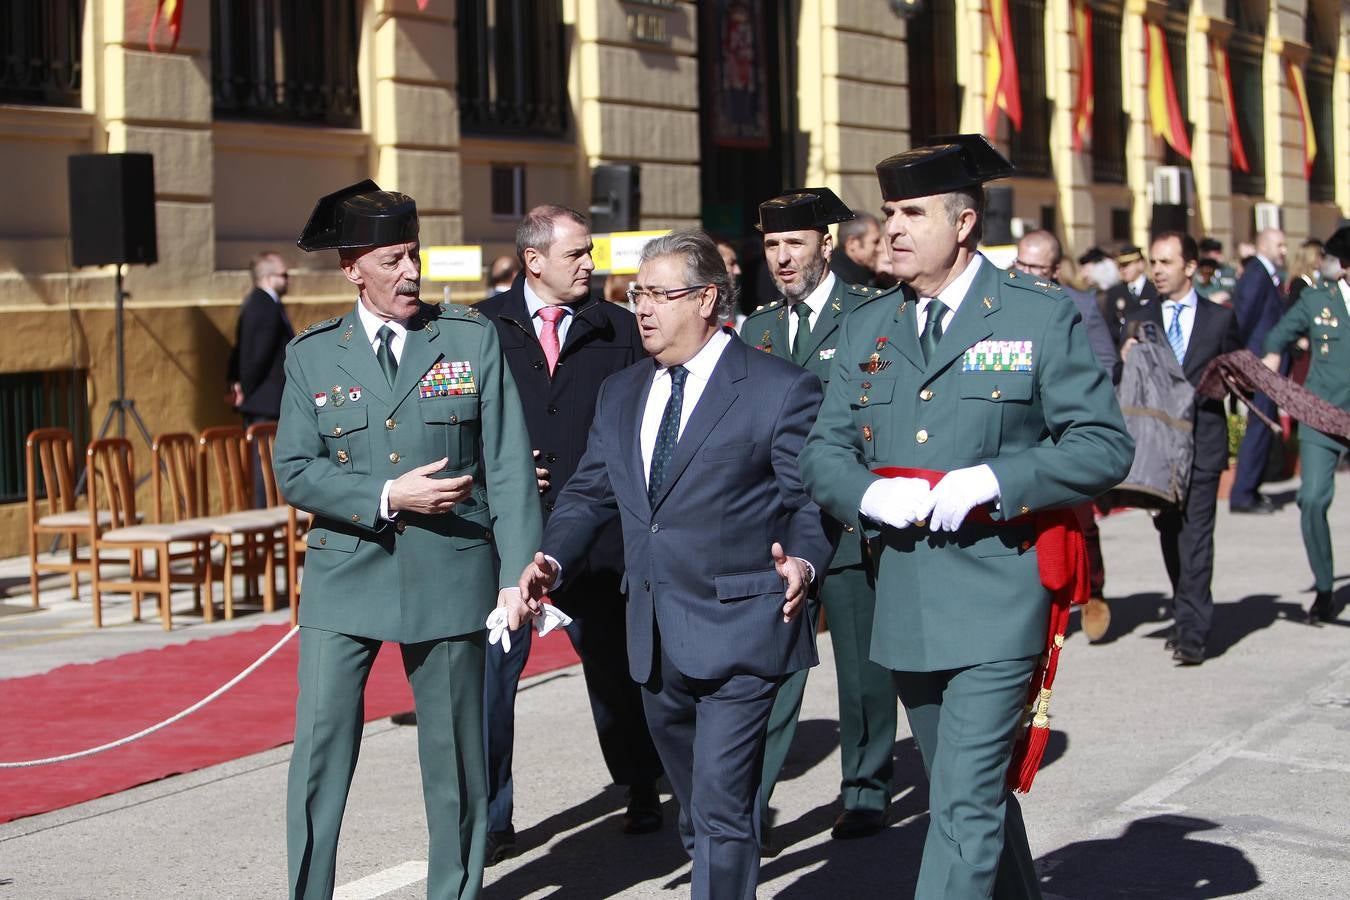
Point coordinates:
[(582, 325), (358, 359), (904, 336), (827, 323), (969, 324), (631, 427), (421, 349), (717, 398), (1200, 348)]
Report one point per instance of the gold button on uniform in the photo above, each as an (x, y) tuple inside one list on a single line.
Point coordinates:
[(393, 457), (342, 456), (337, 429), (454, 420), (323, 542), (922, 436), (996, 393), (390, 423), (1025, 510), (925, 394), (355, 517)]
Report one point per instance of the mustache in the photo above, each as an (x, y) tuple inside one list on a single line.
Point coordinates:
[(411, 288)]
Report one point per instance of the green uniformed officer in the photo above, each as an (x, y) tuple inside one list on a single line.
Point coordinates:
[(383, 417), (1214, 279), (1322, 314), (803, 326), (982, 375)]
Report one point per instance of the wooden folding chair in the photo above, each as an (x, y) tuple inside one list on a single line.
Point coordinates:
[(52, 451), (223, 458), (176, 490), (262, 437), (112, 490)]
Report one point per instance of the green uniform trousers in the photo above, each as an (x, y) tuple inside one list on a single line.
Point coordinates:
[(1317, 469), (447, 683), (867, 713), (964, 721)]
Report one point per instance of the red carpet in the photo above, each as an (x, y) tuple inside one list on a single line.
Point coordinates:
[(80, 706)]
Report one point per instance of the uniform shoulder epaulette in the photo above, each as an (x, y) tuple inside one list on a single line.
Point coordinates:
[(1032, 284), (461, 312), (317, 327)]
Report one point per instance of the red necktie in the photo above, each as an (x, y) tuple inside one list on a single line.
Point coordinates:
[(548, 335)]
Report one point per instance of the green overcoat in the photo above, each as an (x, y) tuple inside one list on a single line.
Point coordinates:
[(1321, 314)]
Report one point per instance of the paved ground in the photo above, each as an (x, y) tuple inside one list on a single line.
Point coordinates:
[(1230, 779)]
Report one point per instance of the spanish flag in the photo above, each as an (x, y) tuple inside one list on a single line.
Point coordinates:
[(1295, 75), (171, 11), (1164, 110), (1238, 152), (1001, 87), (1082, 104)]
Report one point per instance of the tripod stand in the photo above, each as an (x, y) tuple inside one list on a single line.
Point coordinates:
[(121, 405)]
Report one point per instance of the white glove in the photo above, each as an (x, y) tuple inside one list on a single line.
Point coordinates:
[(548, 618), (960, 491), (898, 502)]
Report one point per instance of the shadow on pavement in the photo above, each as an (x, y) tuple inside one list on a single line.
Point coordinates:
[(1235, 621), (1154, 858)]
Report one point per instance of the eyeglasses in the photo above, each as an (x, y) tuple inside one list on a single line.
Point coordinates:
[(1034, 268), (660, 295)]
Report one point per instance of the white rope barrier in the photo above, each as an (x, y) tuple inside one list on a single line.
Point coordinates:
[(28, 763)]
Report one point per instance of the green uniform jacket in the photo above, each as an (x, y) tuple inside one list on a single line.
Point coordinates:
[(767, 329), (343, 433), (1033, 404), (1321, 314)]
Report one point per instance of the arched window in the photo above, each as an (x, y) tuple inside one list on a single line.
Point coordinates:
[(1323, 25), (934, 95), (1244, 61)]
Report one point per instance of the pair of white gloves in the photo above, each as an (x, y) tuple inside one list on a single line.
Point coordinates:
[(902, 502), (548, 618)]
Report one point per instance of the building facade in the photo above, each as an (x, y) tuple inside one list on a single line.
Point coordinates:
[(482, 108)]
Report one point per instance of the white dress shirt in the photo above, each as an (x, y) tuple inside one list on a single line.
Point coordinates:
[(952, 295), (1187, 304), (1137, 286), (534, 304), (372, 324), (816, 300), (700, 370)]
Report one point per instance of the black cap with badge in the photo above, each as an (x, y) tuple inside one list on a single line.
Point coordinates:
[(360, 215), (949, 162), (802, 210)]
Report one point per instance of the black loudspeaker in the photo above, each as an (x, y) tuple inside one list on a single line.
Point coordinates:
[(998, 205), (112, 209), (616, 198), (1167, 217)]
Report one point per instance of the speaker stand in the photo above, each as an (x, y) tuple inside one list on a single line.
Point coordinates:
[(121, 405)]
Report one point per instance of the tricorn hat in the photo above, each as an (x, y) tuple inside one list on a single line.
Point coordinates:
[(949, 162), (1338, 245), (802, 209), (1128, 254), (360, 215)]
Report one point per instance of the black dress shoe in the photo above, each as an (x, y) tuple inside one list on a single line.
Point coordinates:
[(857, 823), (1262, 507), (1171, 642), (1189, 654), (1323, 609), (500, 845), (643, 815)]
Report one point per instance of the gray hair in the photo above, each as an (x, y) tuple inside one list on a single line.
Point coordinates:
[(702, 263), (264, 264), (857, 227), (535, 231), (957, 202)]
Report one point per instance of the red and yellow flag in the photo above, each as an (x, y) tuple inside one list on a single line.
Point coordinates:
[(1001, 87), (171, 11), (1082, 104), (1164, 109), (1238, 152), (1296, 85)]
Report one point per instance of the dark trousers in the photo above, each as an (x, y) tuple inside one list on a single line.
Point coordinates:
[(1086, 514), (1187, 538), (964, 721), (597, 633), (1317, 471), (259, 488), (446, 678), (710, 734), (1253, 454)]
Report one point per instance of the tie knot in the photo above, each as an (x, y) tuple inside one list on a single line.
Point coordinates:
[(552, 314), (936, 310), (677, 376), (803, 310), (385, 334)]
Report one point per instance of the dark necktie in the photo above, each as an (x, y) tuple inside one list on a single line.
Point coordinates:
[(384, 354), (668, 435), (803, 338), (932, 328)]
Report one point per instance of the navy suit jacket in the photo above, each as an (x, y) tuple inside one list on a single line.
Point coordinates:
[(698, 562), (602, 339), (1257, 305), (261, 336)]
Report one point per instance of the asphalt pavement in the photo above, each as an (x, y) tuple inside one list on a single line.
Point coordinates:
[(1227, 779)]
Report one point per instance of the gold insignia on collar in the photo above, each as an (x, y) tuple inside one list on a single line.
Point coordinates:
[(347, 335), (835, 306), (782, 314), (903, 304), (430, 329), (988, 303)]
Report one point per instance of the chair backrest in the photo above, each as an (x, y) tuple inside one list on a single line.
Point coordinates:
[(261, 436), (176, 481), (222, 459), (52, 450), (112, 481)]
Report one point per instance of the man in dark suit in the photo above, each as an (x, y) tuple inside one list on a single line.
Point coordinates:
[(1198, 330), (695, 454), (260, 339), (1133, 291), (855, 262), (560, 344), (1258, 306)]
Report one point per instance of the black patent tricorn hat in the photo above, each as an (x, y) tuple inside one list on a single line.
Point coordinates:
[(802, 210), (360, 215), (949, 162), (1338, 245)]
